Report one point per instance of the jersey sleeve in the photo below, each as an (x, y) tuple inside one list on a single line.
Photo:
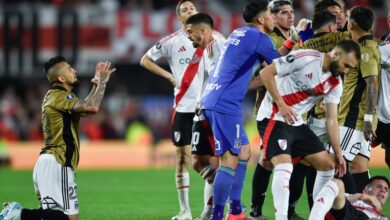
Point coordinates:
[(64, 101), (295, 61), (368, 64), (334, 96), (266, 49), (162, 49)]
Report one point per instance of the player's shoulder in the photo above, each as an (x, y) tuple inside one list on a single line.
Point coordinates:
[(218, 35), (305, 53), (171, 37)]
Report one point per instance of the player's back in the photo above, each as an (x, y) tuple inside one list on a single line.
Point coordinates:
[(229, 81)]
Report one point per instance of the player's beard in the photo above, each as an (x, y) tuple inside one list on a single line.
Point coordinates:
[(195, 45), (75, 84), (333, 68)]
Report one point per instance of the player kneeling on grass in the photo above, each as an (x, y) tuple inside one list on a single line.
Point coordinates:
[(54, 172), (359, 206)]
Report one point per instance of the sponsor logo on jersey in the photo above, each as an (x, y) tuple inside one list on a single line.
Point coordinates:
[(365, 57), (290, 58), (195, 59), (182, 49), (213, 86), (309, 75), (282, 144), (237, 143), (176, 135), (70, 96)]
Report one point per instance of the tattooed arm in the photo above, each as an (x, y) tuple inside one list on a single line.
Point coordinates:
[(91, 104), (371, 103)]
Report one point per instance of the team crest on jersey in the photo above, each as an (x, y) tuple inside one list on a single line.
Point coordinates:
[(237, 143), (176, 135), (282, 144), (290, 58), (365, 57), (158, 45), (70, 96)]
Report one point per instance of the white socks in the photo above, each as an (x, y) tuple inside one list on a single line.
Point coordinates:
[(183, 185), (208, 194), (280, 189), (324, 201), (322, 178)]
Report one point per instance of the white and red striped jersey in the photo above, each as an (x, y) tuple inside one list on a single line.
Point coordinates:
[(183, 60), (370, 211), (210, 57), (384, 91), (301, 83)]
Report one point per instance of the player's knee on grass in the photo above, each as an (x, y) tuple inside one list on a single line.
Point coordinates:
[(340, 198)]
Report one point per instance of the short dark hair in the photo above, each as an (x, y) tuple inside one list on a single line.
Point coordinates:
[(275, 5), (201, 18), (322, 5), (323, 18), (349, 46), (372, 179), (53, 61), (363, 17), (252, 9), (179, 4)]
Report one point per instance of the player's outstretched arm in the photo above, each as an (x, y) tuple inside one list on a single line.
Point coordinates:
[(332, 127), (91, 103), (150, 65), (268, 77)]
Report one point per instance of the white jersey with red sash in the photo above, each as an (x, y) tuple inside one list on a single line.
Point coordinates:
[(183, 60), (301, 83), (370, 211)]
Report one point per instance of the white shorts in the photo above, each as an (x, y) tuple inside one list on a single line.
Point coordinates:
[(55, 185), (318, 126), (353, 143)]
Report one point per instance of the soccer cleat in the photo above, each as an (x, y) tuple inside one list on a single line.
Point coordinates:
[(183, 215), (295, 216), (11, 211), (240, 216), (255, 214), (206, 215)]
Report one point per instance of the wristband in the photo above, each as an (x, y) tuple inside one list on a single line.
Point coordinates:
[(368, 118), (288, 44)]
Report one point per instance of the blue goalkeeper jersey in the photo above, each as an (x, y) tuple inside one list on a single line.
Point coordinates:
[(228, 83)]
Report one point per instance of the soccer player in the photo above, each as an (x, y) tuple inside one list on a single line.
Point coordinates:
[(337, 7), (221, 103), (199, 28), (383, 128), (304, 77), (323, 40), (284, 19), (183, 60), (54, 172), (359, 99), (360, 206)]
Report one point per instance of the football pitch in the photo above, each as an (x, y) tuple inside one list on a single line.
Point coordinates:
[(134, 194)]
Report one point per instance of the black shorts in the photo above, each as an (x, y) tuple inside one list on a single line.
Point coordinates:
[(202, 139), (281, 138), (383, 134), (347, 212), (182, 129)]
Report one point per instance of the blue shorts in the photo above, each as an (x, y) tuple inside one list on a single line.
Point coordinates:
[(228, 131)]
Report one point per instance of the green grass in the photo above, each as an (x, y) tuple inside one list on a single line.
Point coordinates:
[(132, 194)]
